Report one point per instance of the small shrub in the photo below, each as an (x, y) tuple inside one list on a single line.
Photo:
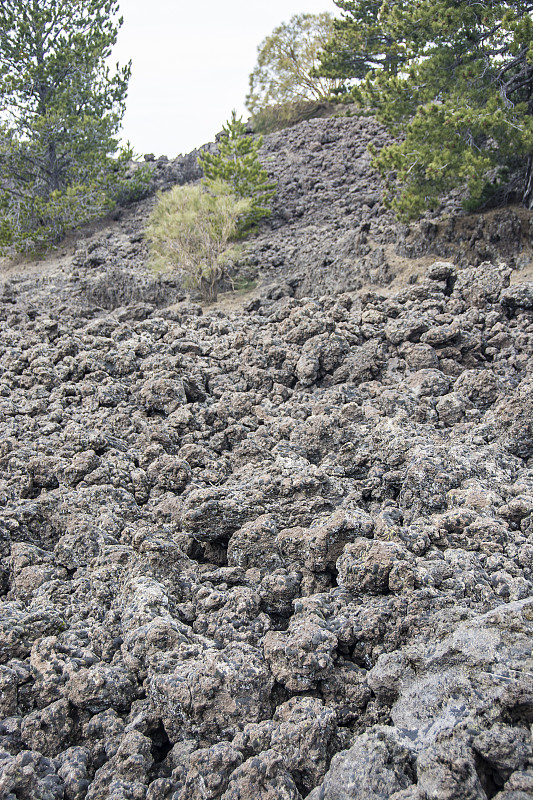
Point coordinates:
[(193, 230), (34, 223), (129, 180), (35, 219)]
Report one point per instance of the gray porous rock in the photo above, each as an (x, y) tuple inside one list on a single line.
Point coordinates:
[(519, 296), (263, 776), (376, 767), (208, 772), (214, 694), (277, 548)]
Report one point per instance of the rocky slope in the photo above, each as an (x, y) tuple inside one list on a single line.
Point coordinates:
[(277, 552), (329, 231)]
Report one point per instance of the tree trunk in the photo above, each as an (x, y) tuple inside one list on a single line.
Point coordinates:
[(527, 196), (53, 171), (209, 288)]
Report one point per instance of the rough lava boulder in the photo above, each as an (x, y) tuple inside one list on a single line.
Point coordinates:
[(281, 549)]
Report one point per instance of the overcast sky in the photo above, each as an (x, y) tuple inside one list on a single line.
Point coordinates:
[(191, 62)]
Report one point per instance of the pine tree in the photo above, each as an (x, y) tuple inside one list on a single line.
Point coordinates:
[(60, 111), (360, 42), (237, 164), (458, 90)]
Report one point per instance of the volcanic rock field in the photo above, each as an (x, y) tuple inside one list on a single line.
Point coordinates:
[(280, 548)]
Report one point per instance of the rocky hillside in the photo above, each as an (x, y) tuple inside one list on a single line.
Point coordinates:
[(278, 551), (329, 231)]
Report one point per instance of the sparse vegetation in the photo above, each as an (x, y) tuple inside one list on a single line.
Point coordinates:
[(196, 229), (285, 115)]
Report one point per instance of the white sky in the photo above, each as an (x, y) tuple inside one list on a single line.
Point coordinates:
[(191, 62)]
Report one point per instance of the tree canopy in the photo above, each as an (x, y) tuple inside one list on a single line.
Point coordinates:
[(287, 62), (60, 110), (455, 81), (359, 42)]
